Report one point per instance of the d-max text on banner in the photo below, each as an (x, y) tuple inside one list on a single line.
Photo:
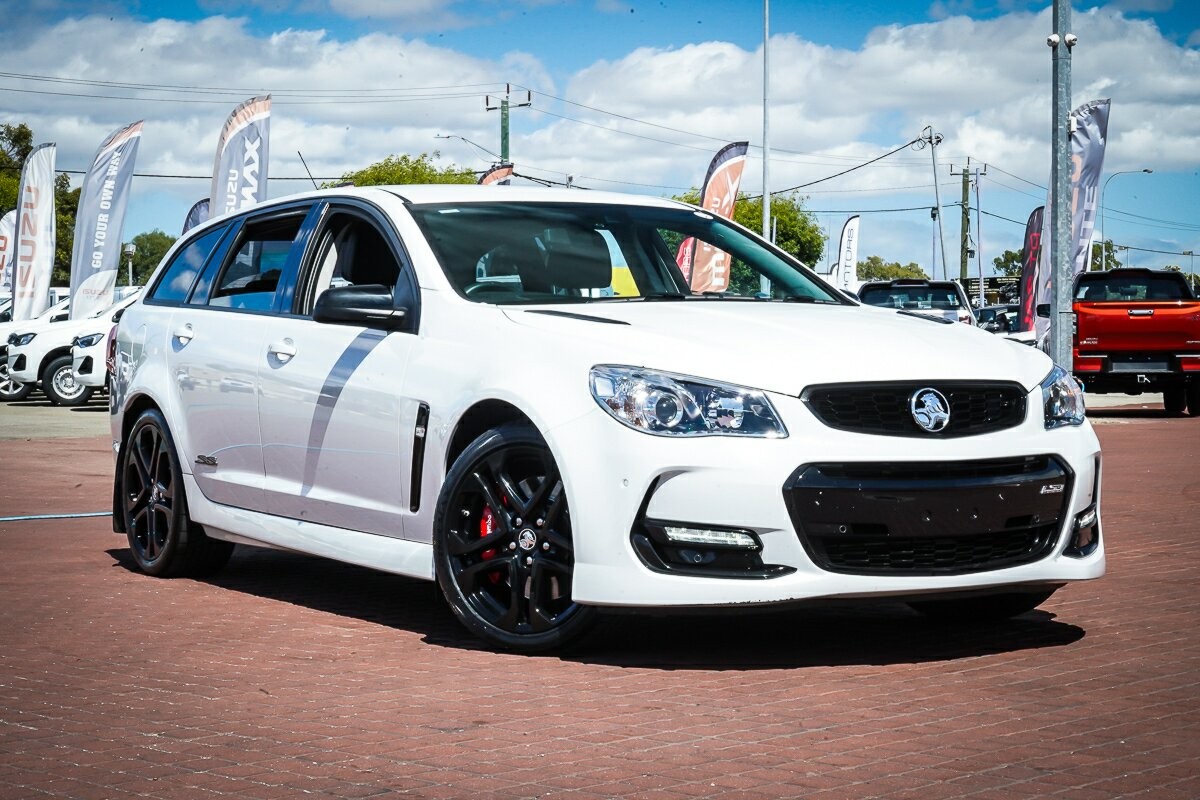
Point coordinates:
[(1089, 132), (8, 227), (501, 174), (847, 268), (196, 214), (34, 261), (1030, 254), (240, 169), (706, 267), (96, 254)]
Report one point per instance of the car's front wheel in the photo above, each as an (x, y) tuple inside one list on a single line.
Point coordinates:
[(502, 545), (60, 386), (162, 538), (10, 390), (985, 608)]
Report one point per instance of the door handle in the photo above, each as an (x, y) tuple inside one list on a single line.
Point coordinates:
[(282, 350), (184, 333)]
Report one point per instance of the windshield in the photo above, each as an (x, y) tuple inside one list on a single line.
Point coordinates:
[(526, 253), (943, 296)]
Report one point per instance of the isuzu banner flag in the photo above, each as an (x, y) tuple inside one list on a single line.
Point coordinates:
[(846, 272), (196, 214), (96, 254), (8, 227), (499, 174), (34, 261), (1089, 131), (1030, 253), (706, 267), (240, 170)]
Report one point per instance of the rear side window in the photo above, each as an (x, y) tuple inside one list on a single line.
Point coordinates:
[(177, 279), (251, 275)]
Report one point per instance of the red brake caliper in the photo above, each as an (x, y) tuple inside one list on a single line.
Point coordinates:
[(487, 525)]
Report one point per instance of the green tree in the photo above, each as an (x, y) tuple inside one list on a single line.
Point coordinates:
[(405, 169), (876, 269), (1009, 263), (796, 232), (151, 247), (1104, 256), (15, 143)]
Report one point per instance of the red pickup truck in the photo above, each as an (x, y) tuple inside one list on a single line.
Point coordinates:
[(1138, 330)]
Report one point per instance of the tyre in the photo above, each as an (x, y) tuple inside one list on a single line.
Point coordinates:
[(502, 547), (1174, 400), (1193, 398), (162, 538), (986, 608), (10, 390), (60, 386)]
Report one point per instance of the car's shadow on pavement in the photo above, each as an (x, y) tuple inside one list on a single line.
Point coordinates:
[(825, 634)]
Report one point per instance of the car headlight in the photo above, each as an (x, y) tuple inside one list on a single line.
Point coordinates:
[(1062, 399), (676, 405), (91, 340), (21, 339)]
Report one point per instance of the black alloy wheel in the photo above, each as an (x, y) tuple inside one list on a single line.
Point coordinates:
[(162, 538), (503, 551)]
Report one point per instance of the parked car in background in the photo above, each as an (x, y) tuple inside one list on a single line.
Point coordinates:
[(1138, 330), (10, 388), (91, 353), (43, 353), (944, 299), (998, 319), (328, 373)]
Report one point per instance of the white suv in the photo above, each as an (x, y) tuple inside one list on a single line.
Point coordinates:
[(43, 353), (10, 388), (328, 373)]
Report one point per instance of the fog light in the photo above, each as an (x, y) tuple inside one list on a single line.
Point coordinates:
[(708, 536), (1085, 536)]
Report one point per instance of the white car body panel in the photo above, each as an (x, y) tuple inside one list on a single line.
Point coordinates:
[(314, 449)]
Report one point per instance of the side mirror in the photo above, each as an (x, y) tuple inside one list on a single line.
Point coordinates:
[(1043, 310), (58, 317), (370, 305)]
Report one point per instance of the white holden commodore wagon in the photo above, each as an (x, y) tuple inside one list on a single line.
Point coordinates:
[(514, 392)]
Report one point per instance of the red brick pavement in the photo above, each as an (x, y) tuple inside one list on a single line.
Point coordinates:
[(287, 675)]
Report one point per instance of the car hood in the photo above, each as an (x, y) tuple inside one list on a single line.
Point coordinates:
[(782, 347)]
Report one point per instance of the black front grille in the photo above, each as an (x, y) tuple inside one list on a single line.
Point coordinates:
[(938, 518), (884, 408)]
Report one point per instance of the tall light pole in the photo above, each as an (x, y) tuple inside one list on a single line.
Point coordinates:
[(1103, 189), (1062, 319), (764, 285)]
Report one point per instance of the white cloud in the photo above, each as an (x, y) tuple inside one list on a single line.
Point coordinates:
[(984, 85)]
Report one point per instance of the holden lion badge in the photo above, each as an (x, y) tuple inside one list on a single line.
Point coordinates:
[(930, 410)]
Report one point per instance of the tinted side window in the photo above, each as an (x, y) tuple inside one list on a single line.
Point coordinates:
[(176, 280), (350, 250), (251, 275)]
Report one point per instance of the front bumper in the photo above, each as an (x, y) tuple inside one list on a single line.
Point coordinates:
[(618, 480), (21, 368)]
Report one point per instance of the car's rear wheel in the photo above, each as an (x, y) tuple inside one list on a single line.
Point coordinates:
[(503, 551), (162, 538), (1174, 400), (1193, 398), (60, 386), (10, 390), (985, 608)]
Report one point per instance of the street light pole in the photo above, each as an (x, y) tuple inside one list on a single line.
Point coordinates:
[(130, 248), (1103, 189)]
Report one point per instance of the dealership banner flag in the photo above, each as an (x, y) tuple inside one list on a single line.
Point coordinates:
[(1089, 132), (1030, 254), (34, 262), (706, 267), (240, 169), (196, 214), (96, 254), (845, 273), (8, 239), (501, 174)]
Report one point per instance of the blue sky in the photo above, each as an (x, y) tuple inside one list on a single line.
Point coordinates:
[(636, 96)]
